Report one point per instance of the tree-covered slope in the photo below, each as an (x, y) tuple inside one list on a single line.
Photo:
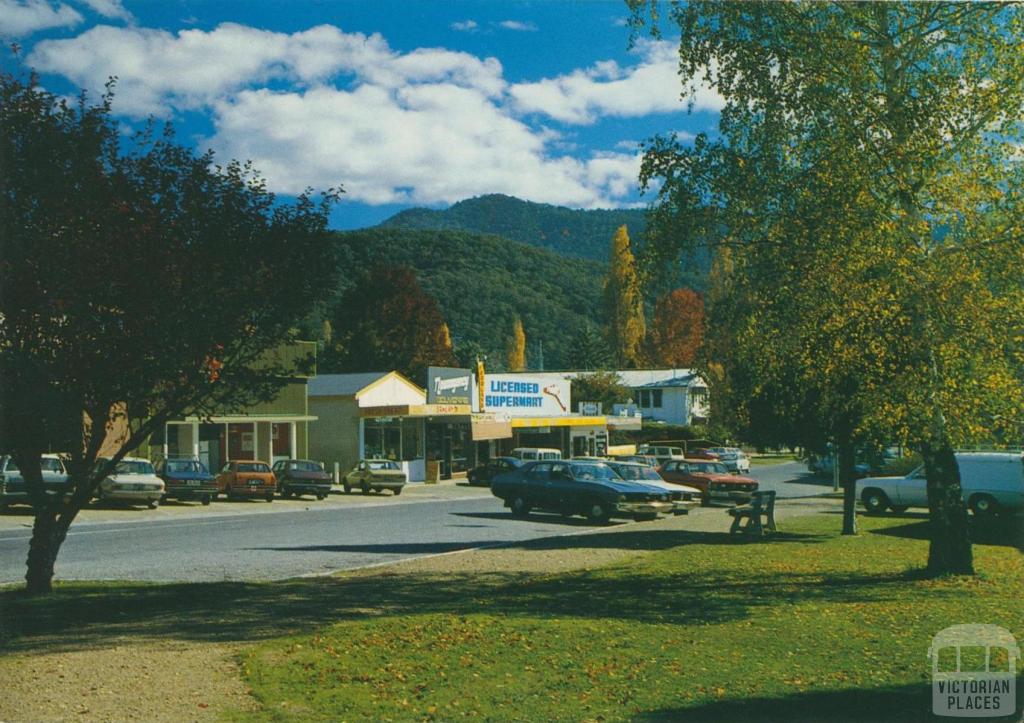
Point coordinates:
[(571, 232), (483, 282)]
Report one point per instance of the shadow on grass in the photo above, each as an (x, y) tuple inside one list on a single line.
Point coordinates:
[(892, 704), (998, 531), (85, 615)]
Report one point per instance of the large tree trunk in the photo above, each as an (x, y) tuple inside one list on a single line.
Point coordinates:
[(846, 462), (950, 550), (48, 533)]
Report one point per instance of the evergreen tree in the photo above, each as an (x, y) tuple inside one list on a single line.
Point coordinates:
[(588, 349), (624, 304)]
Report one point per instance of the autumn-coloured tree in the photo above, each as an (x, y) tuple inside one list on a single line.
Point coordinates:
[(624, 304), (515, 357), (867, 179), (677, 332), (384, 322)]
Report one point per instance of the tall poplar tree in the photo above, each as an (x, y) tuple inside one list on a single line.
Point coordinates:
[(624, 304), (515, 358)]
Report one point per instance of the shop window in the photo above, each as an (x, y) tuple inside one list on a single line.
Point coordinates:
[(412, 439), (656, 398), (382, 440)]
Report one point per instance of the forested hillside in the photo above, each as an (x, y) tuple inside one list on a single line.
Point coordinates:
[(483, 282), (571, 232)]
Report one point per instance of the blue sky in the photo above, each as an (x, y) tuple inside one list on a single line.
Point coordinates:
[(402, 103)]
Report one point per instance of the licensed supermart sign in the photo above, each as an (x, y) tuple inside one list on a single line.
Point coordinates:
[(519, 395)]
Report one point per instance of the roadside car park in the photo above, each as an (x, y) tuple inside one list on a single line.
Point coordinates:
[(734, 459), (375, 475), (483, 474), (683, 497)]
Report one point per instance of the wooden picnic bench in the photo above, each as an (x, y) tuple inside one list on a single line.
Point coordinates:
[(762, 504)]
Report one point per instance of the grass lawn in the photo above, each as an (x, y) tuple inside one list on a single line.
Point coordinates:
[(809, 626)]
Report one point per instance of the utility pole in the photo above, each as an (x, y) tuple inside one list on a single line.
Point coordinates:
[(540, 356)]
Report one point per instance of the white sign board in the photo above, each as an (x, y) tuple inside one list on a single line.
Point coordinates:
[(520, 395)]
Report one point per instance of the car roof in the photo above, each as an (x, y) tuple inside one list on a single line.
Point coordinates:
[(247, 461)]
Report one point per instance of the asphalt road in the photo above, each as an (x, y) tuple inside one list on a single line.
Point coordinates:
[(277, 545)]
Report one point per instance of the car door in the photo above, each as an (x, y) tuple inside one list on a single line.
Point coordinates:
[(912, 490), (561, 490), (538, 482)]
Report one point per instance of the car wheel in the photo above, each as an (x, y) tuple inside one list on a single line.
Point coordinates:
[(285, 493), (153, 504), (269, 497), (520, 507), (875, 501), (397, 491), (206, 499), (899, 509), (984, 505), (598, 512), (365, 488), (321, 496)]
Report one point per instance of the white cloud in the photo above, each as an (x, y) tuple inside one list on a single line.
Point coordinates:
[(24, 17), (109, 9), (518, 25), (158, 71), (606, 89), (466, 26), (421, 144)]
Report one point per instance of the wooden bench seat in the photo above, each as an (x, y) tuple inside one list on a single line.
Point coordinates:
[(762, 504)]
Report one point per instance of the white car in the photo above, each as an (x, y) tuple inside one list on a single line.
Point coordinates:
[(133, 480), (991, 482), (734, 459), (684, 497)]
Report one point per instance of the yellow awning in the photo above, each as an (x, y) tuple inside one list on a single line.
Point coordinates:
[(521, 422)]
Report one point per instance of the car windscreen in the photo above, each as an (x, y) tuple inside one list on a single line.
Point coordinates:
[(253, 467), (636, 472), (307, 466), (593, 472), (382, 465), (133, 467), (49, 464), (181, 466)]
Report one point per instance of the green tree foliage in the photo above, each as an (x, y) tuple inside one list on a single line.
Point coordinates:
[(677, 331), (588, 349), (568, 232), (145, 282), (515, 356), (867, 182), (624, 304), (483, 283), (387, 321), (604, 386)]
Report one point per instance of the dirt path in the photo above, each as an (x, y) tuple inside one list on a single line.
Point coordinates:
[(139, 679)]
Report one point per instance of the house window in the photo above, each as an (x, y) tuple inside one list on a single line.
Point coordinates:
[(645, 397), (656, 398)]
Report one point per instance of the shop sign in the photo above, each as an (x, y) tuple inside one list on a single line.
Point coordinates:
[(590, 409), (449, 385), (520, 395)]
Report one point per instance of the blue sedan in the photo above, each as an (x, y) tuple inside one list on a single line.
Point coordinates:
[(572, 487)]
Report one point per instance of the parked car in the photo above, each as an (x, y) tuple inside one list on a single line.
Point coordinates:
[(528, 454), (247, 478), (712, 478), (991, 482), (12, 484), (483, 474), (683, 498), (734, 459), (375, 475), (644, 459), (134, 481), (186, 479), (823, 465), (704, 453), (568, 487), (662, 453), (302, 477)]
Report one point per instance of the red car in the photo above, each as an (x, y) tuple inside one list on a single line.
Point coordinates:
[(711, 478), (702, 453), (247, 478)]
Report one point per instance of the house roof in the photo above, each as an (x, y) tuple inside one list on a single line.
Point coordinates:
[(342, 385), (657, 377), (684, 382)]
